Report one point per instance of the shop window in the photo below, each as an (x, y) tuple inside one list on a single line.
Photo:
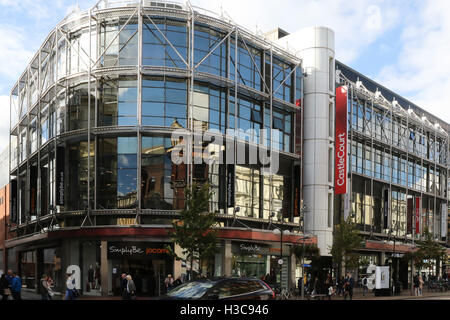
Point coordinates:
[(28, 269), (90, 268)]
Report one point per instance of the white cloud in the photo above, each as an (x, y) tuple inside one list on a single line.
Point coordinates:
[(15, 54), (4, 122), (356, 25), (422, 70)]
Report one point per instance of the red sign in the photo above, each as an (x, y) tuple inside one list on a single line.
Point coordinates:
[(340, 177), (418, 215)]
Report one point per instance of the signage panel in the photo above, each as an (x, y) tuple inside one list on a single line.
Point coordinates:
[(340, 175), (137, 250), (60, 178), (382, 278), (444, 223), (230, 185), (418, 206)]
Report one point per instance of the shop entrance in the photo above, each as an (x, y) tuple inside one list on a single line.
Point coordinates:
[(148, 276)]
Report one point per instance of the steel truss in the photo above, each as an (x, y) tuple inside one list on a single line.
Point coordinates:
[(54, 76), (407, 117)]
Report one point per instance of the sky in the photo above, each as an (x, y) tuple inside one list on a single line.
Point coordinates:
[(402, 44)]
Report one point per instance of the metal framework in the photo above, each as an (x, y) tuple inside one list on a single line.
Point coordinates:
[(407, 120), (49, 74)]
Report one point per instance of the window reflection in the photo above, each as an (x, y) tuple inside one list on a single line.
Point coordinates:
[(164, 102), (118, 101), (117, 173), (157, 192)]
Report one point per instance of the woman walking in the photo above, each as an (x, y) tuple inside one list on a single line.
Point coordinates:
[(45, 291), (420, 285)]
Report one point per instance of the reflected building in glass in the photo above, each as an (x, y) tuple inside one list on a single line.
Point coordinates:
[(90, 143)]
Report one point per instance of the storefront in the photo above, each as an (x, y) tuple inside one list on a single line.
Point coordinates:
[(262, 261), (148, 264)]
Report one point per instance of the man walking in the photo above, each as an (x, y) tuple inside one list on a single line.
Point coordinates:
[(123, 286), (16, 286), (348, 286)]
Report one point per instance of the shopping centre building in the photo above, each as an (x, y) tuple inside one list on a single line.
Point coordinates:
[(92, 181)]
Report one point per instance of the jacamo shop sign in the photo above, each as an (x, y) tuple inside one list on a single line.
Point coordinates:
[(137, 250)]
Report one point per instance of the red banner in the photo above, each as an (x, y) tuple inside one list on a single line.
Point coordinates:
[(418, 207), (340, 176)]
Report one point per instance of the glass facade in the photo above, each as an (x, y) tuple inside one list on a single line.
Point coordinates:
[(387, 150), (107, 141)]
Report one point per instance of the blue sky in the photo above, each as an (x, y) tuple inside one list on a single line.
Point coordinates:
[(403, 44)]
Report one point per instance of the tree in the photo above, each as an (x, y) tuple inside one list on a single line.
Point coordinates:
[(346, 241), (428, 250), (308, 251), (194, 232)]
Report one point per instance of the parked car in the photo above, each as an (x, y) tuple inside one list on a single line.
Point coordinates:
[(222, 289)]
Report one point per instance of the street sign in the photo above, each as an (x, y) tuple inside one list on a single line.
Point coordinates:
[(280, 261)]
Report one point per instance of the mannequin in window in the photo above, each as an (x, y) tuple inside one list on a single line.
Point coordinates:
[(91, 280)]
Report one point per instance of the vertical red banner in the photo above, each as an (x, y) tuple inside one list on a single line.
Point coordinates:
[(418, 207), (340, 176)]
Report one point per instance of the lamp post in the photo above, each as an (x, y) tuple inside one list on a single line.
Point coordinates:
[(280, 261)]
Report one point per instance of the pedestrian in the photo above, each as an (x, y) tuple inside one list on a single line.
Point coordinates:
[(299, 284), (329, 286), (420, 285), (348, 286), (177, 282), (123, 286), (70, 287), (5, 291), (416, 285), (316, 286), (16, 286), (131, 288), (364, 286), (168, 282), (9, 277), (44, 288)]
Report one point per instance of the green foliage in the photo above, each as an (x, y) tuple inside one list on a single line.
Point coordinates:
[(346, 241), (194, 231), (428, 250), (311, 251)]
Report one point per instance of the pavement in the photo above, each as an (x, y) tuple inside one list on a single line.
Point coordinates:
[(357, 295)]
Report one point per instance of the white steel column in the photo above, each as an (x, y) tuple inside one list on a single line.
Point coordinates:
[(315, 46)]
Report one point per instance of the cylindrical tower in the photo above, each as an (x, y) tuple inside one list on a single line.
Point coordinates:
[(315, 46)]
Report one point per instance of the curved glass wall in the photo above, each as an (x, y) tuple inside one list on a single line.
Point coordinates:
[(111, 170)]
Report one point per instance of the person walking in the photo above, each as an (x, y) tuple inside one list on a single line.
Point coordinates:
[(168, 282), (420, 285), (123, 286), (364, 286), (44, 288), (339, 284), (130, 289), (329, 286), (348, 286), (5, 291), (416, 285), (16, 286), (70, 287)]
